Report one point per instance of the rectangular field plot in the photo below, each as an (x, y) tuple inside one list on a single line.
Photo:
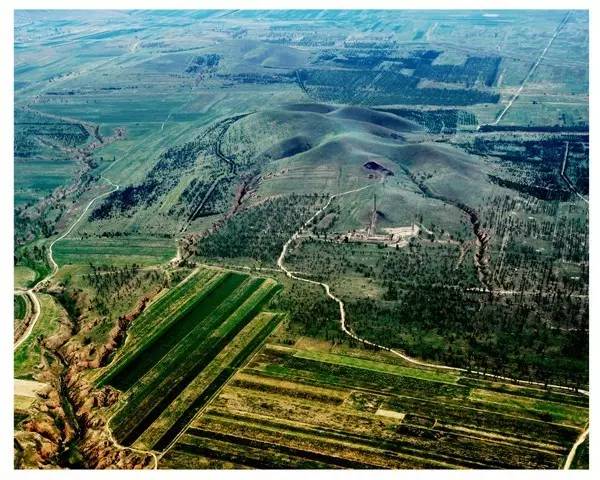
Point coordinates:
[(293, 408), (114, 251), (183, 349)]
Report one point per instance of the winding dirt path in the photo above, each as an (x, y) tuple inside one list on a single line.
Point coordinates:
[(54, 265), (578, 442), (290, 274), (347, 331), (40, 284), (403, 356), (35, 316), (118, 446)]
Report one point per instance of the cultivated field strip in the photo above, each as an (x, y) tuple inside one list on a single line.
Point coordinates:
[(216, 374), (181, 356), (389, 449), (159, 316), (432, 396), (188, 357), (307, 448), (183, 334), (291, 406), (569, 409), (200, 383), (559, 396), (339, 452), (198, 335), (145, 407), (342, 425), (238, 456)]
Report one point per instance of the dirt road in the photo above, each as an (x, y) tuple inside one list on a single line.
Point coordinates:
[(347, 331), (578, 442)]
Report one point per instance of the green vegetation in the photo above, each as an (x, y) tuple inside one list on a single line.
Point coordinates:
[(23, 313), (390, 88), (316, 408), (161, 314), (458, 234), (310, 312), (32, 264), (40, 152), (20, 307), (260, 232), (29, 355), (437, 283), (24, 276), (431, 375), (178, 329), (554, 411), (212, 378), (113, 287), (169, 374), (114, 251), (497, 338)]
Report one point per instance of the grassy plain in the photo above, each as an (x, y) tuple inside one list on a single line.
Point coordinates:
[(24, 276)]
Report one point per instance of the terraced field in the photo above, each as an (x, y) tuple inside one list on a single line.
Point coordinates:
[(301, 408), (183, 349)]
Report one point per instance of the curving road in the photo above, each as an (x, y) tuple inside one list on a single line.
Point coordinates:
[(290, 274), (578, 442), (54, 265), (402, 355), (348, 332), (36, 314), (31, 292), (118, 446), (532, 69)]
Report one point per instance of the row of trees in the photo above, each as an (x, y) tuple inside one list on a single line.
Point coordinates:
[(472, 331)]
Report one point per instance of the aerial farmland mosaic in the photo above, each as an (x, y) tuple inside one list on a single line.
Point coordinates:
[(301, 239)]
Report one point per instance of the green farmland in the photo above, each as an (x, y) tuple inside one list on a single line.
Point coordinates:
[(115, 251), (183, 349), (301, 239), (309, 408)]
